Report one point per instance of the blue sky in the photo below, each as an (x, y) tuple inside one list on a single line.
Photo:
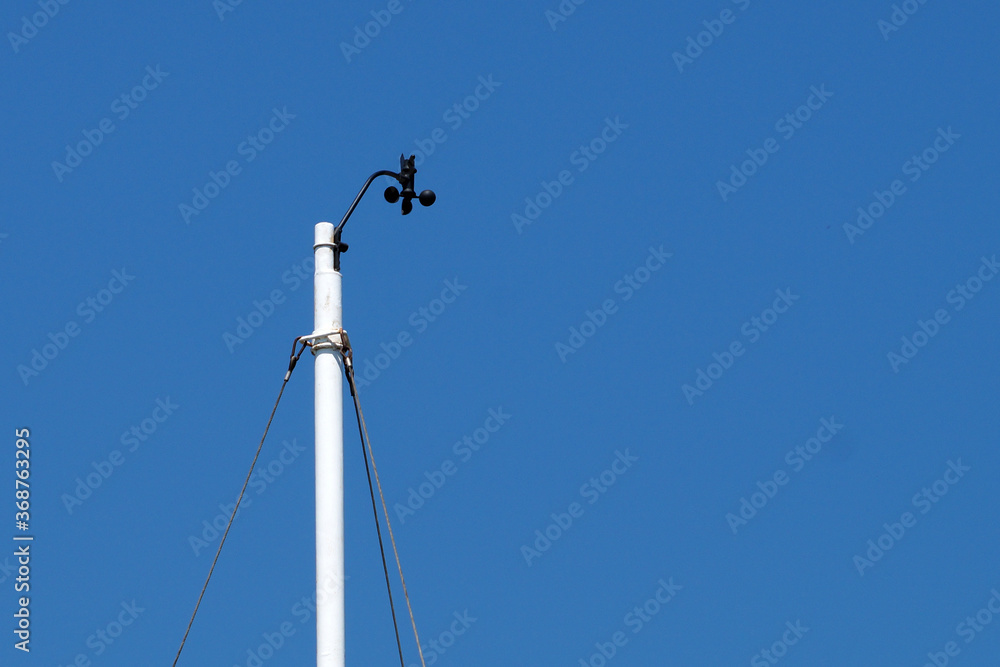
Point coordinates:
[(722, 328)]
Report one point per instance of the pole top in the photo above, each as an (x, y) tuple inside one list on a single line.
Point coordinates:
[(324, 235)]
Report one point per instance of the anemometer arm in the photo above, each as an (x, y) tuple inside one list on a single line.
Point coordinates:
[(392, 195)]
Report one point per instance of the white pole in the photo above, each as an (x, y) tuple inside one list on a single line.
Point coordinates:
[(327, 317)]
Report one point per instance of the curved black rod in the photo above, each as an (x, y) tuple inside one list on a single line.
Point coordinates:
[(361, 194), (338, 246)]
